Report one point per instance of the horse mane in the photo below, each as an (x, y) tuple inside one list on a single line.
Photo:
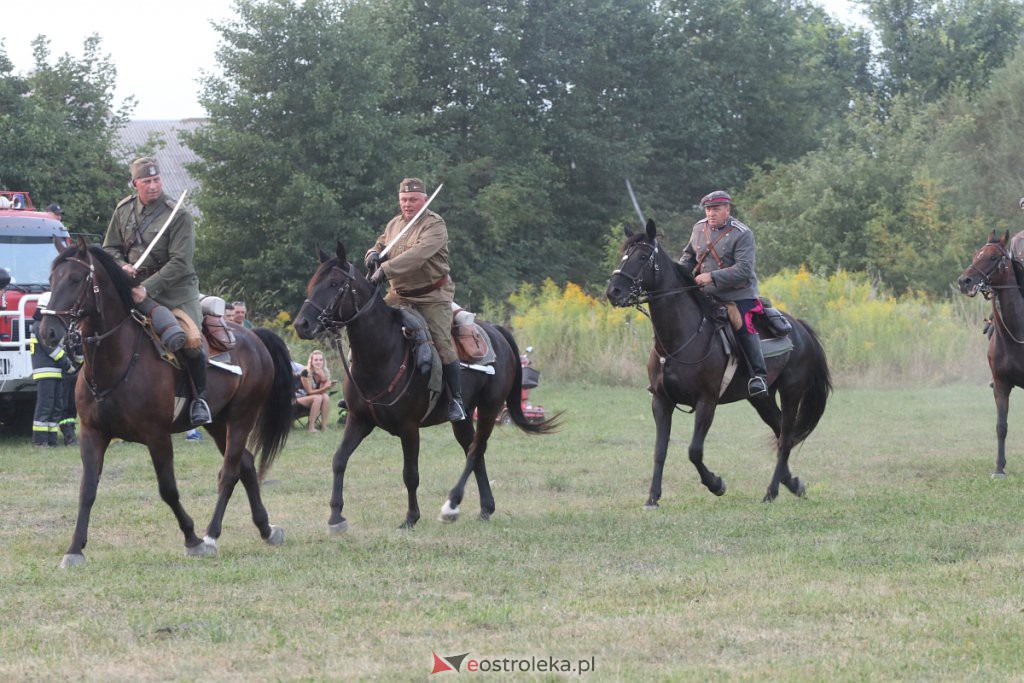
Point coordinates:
[(122, 283), (707, 306)]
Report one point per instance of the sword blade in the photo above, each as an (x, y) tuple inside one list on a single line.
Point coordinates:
[(636, 205)]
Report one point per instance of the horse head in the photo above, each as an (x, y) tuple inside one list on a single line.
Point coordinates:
[(639, 268), (335, 296), (990, 266)]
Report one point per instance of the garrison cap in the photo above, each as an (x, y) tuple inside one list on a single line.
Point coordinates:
[(412, 185), (716, 197), (144, 167)]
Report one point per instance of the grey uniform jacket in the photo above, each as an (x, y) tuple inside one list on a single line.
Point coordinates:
[(731, 264)]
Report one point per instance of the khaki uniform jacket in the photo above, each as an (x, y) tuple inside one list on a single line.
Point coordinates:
[(167, 273), (734, 278), (418, 261)]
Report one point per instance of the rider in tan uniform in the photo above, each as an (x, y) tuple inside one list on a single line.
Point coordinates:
[(417, 268)]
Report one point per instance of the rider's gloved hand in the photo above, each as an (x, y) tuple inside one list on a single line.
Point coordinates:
[(377, 276), (372, 262)]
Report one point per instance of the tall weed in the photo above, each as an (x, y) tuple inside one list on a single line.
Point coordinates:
[(870, 337)]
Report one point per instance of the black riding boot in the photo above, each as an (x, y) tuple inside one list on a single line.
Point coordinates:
[(751, 344), (199, 412), (452, 374)]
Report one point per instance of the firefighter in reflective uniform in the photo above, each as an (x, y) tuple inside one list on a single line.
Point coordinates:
[(48, 367)]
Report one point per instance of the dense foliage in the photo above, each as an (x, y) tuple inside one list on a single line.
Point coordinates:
[(58, 129), (893, 160), (530, 113)]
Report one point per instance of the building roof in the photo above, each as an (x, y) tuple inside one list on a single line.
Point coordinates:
[(171, 158)]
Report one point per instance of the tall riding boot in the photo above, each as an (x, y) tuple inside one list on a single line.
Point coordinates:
[(751, 345), (452, 374), (199, 412)]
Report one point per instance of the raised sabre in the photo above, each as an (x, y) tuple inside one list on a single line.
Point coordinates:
[(636, 204), (161, 233), (408, 225)]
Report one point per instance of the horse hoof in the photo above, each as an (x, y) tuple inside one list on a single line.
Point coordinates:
[(999, 475), (276, 537), (338, 529), (799, 488), (407, 526), (721, 488), (449, 514), (210, 540), (650, 506), (485, 516), (204, 549), (72, 560), (768, 497)]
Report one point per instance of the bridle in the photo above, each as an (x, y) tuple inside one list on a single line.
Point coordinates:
[(999, 264), (327, 320), (326, 314), (638, 296), (70, 318)]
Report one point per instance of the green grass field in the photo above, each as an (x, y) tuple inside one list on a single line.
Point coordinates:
[(905, 560)]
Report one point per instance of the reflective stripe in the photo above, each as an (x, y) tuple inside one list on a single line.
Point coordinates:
[(46, 373)]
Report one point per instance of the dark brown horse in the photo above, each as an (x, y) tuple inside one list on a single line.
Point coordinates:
[(999, 275), (383, 388), (689, 362), (126, 391)]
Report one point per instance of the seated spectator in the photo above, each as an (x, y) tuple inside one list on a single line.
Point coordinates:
[(239, 315), (316, 383)]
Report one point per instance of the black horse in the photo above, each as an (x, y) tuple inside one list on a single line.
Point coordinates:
[(689, 365), (999, 276), (383, 388), (126, 390)]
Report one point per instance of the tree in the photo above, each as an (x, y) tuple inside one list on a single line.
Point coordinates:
[(58, 125)]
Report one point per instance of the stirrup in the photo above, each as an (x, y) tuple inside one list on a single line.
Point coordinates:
[(456, 411), (757, 387), (199, 413)]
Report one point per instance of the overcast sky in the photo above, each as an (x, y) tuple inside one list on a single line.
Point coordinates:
[(160, 49)]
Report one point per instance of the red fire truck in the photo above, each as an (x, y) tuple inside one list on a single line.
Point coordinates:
[(27, 248)]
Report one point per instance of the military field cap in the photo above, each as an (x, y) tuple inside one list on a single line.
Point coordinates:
[(144, 167), (412, 185), (716, 197)]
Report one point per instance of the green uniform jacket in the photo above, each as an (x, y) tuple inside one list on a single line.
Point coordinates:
[(419, 260), (167, 273)]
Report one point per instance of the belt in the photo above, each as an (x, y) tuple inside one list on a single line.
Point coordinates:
[(412, 293)]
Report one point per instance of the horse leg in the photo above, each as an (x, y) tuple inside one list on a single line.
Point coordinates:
[(355, 431), (1001, 391), (662, 409), (411, 474), (790, 405), (703, 416), (475, 445), (249, 477), (161, 452), (769, 413), (93, 446)]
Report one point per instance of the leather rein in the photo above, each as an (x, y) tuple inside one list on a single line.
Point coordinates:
[(988, 290), (638, 296), (72, 316), (326, 318)]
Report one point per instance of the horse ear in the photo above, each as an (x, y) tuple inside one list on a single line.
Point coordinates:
[(321, 257), (339, 251), (1006, 238), (651, 230), (81, 245)]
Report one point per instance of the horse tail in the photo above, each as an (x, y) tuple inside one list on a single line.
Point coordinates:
[(275, 419), (514, 399), (812, 402)]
